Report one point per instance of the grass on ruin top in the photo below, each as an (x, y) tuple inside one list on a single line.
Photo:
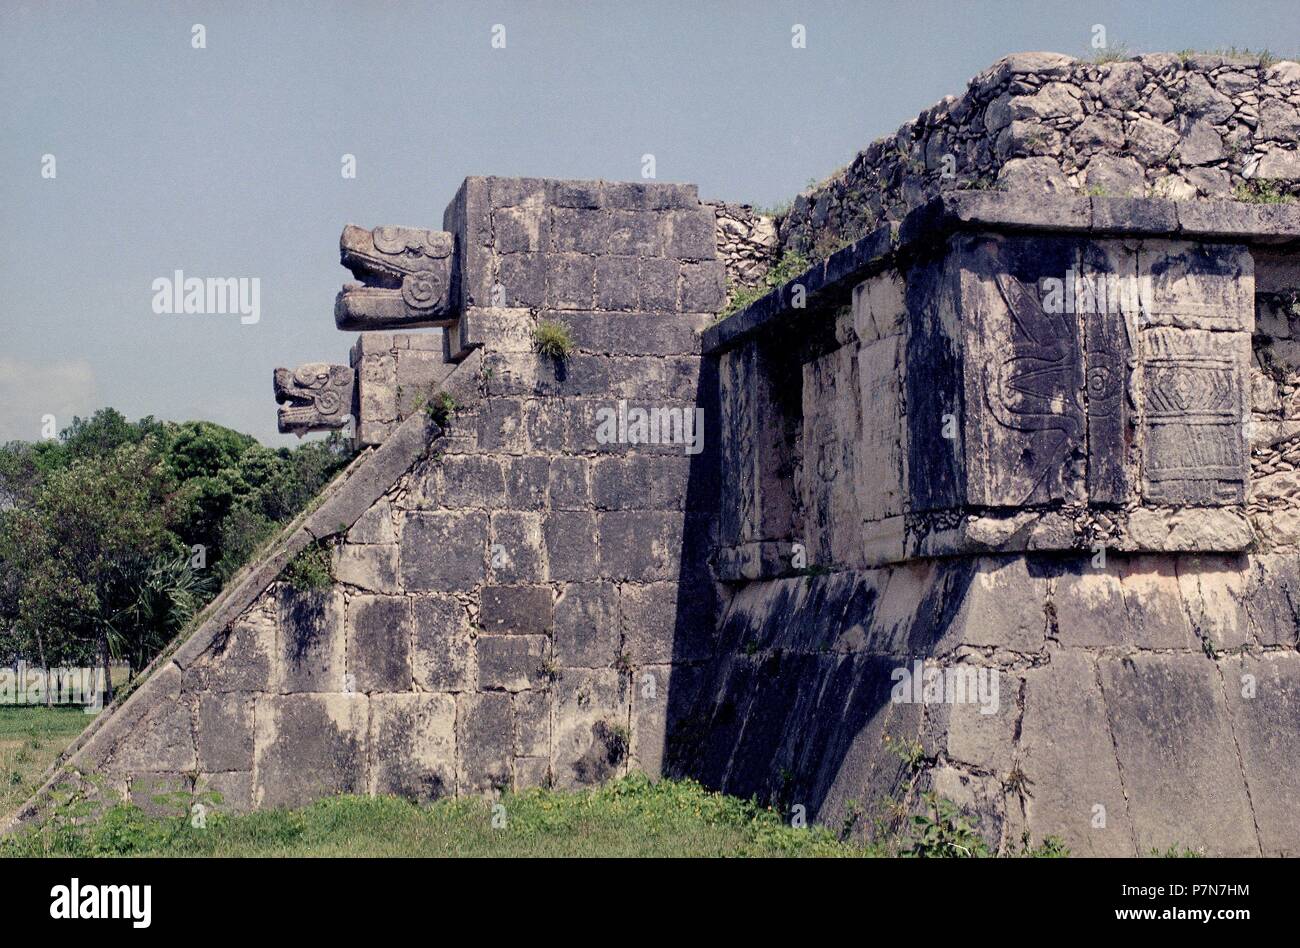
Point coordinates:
[(633, 816)]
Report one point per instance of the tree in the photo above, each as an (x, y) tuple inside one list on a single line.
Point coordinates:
[(87, 544), (96, 528)]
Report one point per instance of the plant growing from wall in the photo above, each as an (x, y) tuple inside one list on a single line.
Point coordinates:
[(440, 407), (943, 832), (310, 569), (554, 339), (1256, 191), (790, 265)]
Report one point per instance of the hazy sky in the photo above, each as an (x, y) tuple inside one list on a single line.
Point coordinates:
[(225, 161)]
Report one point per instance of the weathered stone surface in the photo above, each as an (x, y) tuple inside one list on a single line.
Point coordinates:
[(571, 550), (1171, 727), (518, 550), (512, 662), (590, 735), (442, 644), (309, 746), (162, 741), (444, 550), (371, 567), (311, 646), (1073, 784), (1003, 607), (225, 732), (239, 659), (413, 740), (533, 725), (587, 632), (484, 759), (1263, 695), (379, 643), (516, 609)]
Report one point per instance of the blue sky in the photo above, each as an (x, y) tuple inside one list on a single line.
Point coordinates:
[(225, 161)]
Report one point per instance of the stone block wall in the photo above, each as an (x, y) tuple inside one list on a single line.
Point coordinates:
[(1162, 125), (524, 596), (1146, 706)]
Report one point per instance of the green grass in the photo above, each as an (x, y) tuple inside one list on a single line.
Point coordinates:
[(30, 739), (633, 816), (553, 338), (1257, 191), (791, 264)]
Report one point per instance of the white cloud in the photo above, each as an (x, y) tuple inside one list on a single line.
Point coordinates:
[(31, 390)]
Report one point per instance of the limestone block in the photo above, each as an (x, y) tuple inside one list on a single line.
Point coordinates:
[(484, 742), (379, 643), (1263, 693), (444, 550), (240, 659), (641, 546), (1073, 785), (587, 630), (442, 644), (1088, 607), (569, 484), (1154, 603), (413, 740), (518, 552), (660, 695), (1176, 753), (163, 740), (590, 726), (1272, 598), (370, 566), (1003, 607), (533, 724), (516, 609), (571, 548), (512, 662), (310, 648), (225, 732), (309, 746), (532, 772), (1213, 590), (375, 525)]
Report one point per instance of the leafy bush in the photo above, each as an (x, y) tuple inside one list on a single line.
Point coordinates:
[(943, 832)]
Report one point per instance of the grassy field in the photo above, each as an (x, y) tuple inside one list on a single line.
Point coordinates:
[(30, 739)]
